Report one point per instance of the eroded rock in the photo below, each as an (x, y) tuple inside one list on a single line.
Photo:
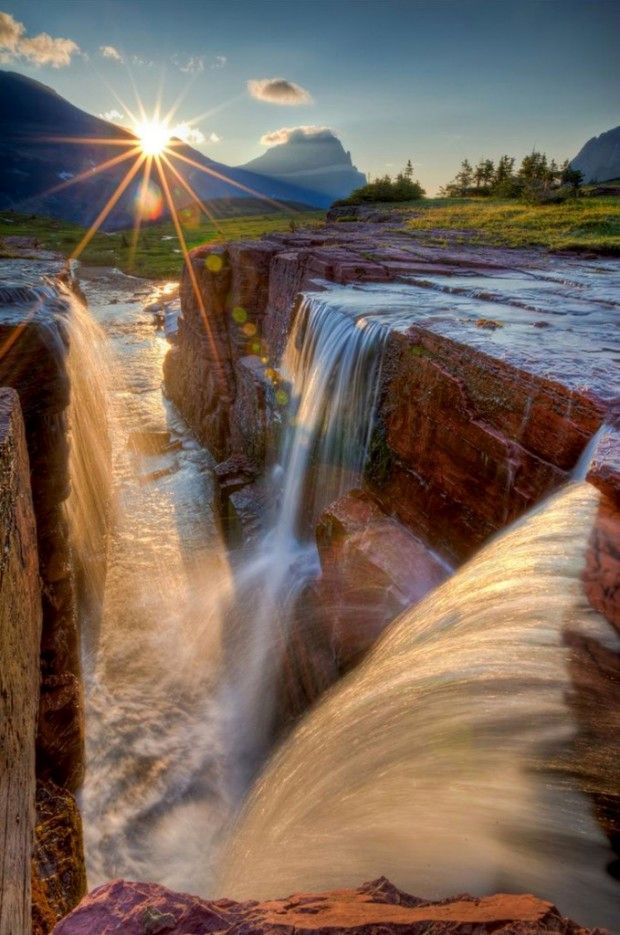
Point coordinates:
[(149, 909)]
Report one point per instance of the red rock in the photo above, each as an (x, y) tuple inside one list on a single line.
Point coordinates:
[(372, 568), (604, 470), (148, 909), (20, 632)]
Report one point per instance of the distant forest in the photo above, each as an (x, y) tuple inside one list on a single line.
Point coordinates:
[(536, 178)]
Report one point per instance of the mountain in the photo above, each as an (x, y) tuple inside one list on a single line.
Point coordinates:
[(36, 160), (599, 159), (311, 157)]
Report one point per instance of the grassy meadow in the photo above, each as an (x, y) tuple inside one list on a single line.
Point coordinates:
[(583, 224), (158, 254)]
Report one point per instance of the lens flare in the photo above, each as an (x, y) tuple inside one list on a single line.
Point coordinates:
[(149, 202)]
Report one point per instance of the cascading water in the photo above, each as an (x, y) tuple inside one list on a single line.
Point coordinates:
[(153, 759), (459, 754), (90, 375), (332, 363), (172, 732)]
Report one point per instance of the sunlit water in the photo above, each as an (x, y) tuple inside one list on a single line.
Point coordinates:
[(456, 757), (153, 764), (453, 759)]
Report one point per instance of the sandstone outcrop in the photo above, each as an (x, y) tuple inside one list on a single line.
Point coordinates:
[(148, 909), (20, 631)]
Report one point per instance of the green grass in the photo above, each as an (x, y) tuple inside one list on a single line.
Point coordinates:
[(584, 224), (158, 255)]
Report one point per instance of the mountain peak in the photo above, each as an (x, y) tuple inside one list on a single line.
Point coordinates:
[(310, 156), (599, 158)]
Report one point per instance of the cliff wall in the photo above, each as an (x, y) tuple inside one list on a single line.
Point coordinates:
[(34, 343), (495, 376), (20, 633)]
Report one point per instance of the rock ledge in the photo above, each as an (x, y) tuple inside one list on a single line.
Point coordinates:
[(373, 908)]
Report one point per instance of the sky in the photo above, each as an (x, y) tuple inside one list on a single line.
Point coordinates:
[(433, 81)]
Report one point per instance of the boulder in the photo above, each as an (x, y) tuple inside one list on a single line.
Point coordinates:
[(372, 569)]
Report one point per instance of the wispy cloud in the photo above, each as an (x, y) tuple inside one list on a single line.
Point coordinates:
[(296, 135), (197, 63), (114, 116), (189, 134), (278, 91), (138, 60), (109, 51), (193, 136), (41, 49)]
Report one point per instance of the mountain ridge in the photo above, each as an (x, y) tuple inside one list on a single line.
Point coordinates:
[(35, 163)]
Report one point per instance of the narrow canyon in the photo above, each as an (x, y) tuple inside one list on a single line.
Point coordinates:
[(311, 585)]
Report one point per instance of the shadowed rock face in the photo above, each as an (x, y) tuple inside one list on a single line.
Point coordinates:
[(378, 907), (20, 630)]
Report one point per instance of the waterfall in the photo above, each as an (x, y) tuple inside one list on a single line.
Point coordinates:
[(89, 368), (458, 756), (332, 363)]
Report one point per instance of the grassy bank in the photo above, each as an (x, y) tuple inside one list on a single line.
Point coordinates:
[(584, 224), (158, 254)]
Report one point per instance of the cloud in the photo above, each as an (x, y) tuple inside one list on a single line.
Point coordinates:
[(108, 51), (214, 138), (296, 135), (193, 65), (10, 32), (189, 134), (138, 60), (41, 49), (278, 91), (219, 61), (114, 116)]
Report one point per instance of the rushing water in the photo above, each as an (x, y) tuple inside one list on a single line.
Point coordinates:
[(453, 759), (332, 364), (458, 756), (153, 762), (174, 734)]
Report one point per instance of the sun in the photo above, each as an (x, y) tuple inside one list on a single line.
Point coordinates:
[(154, 136)]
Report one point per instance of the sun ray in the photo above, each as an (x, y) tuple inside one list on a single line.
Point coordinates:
[(112, 200), (188, 263), (87, 173), (139, 208), (91, 140), (188, 188), (245, 188)]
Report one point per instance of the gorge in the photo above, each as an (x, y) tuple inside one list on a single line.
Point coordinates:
[(347, 589)]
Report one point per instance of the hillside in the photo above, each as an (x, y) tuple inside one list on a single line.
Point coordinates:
[(36, 162)]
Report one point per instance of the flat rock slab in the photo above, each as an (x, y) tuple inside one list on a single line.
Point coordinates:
[(149, 909)]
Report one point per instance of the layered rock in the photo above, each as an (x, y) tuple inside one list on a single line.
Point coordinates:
[(20, 631), (496, 373), (143, 908), (34, 339)]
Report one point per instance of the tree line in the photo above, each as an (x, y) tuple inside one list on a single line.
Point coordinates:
[(401, 188), (536, 177)]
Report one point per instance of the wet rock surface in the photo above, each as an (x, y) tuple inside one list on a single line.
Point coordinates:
[(59, 877), (372, 569), (147, 909), (500, 364)]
